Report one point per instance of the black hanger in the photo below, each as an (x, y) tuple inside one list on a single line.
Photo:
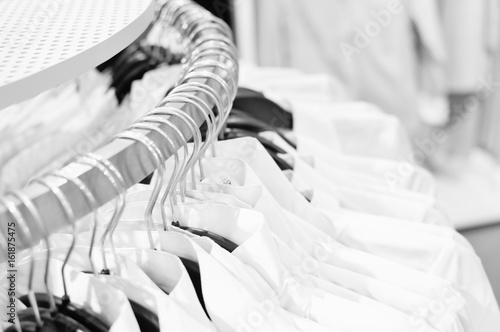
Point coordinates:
[(133, 62), (258, 106), (52, 322), (246, 92), (122, 67), (147, 179), (220, 240), (270, 146), (138, 70), (66, 308), (147, 320), (243, 120)]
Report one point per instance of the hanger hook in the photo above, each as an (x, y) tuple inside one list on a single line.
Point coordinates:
[(93, 204), (209, 75), (118, 183), (20, 221), (200, 106), (211, 52), (209, 63), (175, 173), (210, 92), (146, 125), (38, 220), (193, 128), (195, 131), (157, 156), (221, 45), (70, 217)]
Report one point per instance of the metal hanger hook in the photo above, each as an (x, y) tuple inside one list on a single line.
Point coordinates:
[(118, 184), (25, 230), (93, 204), (158, 160), (45, 235)]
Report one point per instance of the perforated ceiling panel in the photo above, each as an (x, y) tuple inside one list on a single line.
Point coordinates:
[(46, 42)]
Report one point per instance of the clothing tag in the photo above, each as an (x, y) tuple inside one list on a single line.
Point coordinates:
[(220, 177)]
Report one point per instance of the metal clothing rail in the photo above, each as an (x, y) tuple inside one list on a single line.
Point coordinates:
[(207, 39)]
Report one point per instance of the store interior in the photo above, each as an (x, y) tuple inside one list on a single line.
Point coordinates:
[(250, 165), (455, 78)]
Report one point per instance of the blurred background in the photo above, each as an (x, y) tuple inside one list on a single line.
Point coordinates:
[(435, 64)]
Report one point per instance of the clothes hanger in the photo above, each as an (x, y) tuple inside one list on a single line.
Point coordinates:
[(208, 63), (144, 125), (145, 59), (210, 93), (176, 171), (206, 75), (210, 24), (64, 305), (193, 27), (117, 182), (157, 155), (273, 149), (198, 63), (222, 241), (45, 237), (35, 317), (266, 110), (192, 267), (196, 134), (208, 52), (91, 201), (147, 320), (217, 238), (201, 106), (38, 316), (242, 120), (161, 166), (222, 42)]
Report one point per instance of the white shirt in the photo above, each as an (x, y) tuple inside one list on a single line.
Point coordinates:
[(98, 297), (392, 242), (260, 252), (380, 290)]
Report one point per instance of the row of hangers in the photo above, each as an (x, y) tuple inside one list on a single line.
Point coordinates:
[(210, 54), (209, 81)]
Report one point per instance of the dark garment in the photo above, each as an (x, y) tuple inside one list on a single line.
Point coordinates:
[(220, 8)]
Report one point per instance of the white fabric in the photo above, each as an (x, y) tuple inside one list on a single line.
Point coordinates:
[(437, 246), (106, 302), (267, 263), (229, 304), (137, 286), (398, 298), (353, 128)]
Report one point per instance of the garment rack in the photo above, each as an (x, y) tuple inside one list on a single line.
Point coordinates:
[(131, 158)]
